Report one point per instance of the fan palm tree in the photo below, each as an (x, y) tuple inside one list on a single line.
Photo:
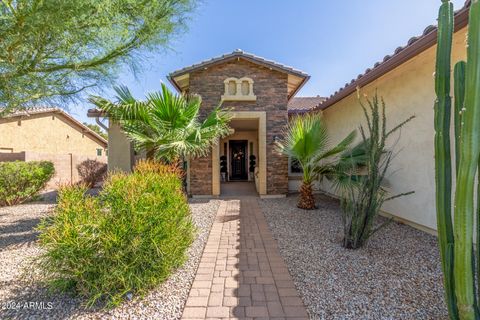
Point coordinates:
[(306, 141), (166, 126)]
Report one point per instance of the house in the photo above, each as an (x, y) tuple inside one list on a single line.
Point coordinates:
[(50, 134), (262, 94), (405, 79)]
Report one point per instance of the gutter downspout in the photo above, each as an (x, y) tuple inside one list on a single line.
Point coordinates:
[(100, 123)]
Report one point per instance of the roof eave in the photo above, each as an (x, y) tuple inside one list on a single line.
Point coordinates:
[(95, 113), (240, 55), (305, 79), (174, 83), (81, 126), (420, 45)]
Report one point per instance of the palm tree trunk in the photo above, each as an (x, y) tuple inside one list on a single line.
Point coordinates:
[(306, 200), (150, 155)]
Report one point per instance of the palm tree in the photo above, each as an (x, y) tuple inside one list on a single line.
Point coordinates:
[(166, 126), (306, 141)]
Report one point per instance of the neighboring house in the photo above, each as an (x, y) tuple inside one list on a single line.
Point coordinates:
[(262, 94), (50, 134)]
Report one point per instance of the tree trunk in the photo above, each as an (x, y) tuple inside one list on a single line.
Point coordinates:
[(150, 155), (306, 200)]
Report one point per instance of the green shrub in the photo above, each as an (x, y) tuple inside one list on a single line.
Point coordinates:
[(128, 239), (361, 201), (19, 181)]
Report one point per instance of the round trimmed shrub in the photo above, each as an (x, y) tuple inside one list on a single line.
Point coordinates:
[(20, 181), (128, 239)]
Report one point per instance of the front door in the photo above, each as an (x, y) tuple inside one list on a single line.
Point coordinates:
[(238, 159)]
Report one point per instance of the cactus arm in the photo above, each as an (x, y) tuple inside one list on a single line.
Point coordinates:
[(443, 170), (469, 155), (477, 247), (459, 94)]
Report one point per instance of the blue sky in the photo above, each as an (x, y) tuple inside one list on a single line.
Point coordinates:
[(332, 40)]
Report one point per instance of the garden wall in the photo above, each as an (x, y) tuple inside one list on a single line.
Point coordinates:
[(407, 90), (65, 164)]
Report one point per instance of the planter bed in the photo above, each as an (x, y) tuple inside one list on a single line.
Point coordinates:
[(397, 275), (19, 287)]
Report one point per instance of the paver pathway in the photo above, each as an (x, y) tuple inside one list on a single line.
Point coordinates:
[(241, 274)]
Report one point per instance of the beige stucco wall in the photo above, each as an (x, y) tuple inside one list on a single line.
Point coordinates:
[(120, 149), (45, 133), (407, 90)]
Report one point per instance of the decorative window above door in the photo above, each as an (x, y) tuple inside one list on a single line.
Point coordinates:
[(238, 90)]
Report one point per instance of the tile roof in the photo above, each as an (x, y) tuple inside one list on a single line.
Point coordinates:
[(240, 53), (31, 110), (303, 104), (237, 54), (414, 46), (42, 110)]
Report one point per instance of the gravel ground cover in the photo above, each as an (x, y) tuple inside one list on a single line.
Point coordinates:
[(396, 276), (23, 297)]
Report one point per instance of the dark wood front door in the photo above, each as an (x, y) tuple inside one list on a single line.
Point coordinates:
[(238, 159)]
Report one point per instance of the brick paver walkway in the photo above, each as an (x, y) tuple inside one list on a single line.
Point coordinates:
[(241, 274)]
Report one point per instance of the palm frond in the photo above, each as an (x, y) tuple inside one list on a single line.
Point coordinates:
[(166, 124)]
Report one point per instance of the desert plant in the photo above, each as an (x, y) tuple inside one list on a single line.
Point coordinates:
[(20, 181), (166, 126), (361, 201), (456, 240), (91, 172), (125, 241), (306, 141)]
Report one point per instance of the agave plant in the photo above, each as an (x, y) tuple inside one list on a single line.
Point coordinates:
[(166, 126), (306, 141)]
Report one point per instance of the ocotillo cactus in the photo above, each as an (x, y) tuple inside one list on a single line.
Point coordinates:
[(443, 165)]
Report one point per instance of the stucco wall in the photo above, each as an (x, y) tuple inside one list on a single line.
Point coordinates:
[(120, 149), (65, 166), (407, 90), (66, 171), (45, 133)]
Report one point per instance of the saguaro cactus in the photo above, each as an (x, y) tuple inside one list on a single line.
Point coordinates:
[(459, 271)]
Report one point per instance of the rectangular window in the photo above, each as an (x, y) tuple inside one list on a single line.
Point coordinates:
[(295, 166), (99, 152)]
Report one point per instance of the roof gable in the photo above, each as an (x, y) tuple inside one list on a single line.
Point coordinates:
[(45, 111), (296, 78)]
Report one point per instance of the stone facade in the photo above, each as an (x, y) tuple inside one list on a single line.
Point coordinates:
[(270, 88)]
